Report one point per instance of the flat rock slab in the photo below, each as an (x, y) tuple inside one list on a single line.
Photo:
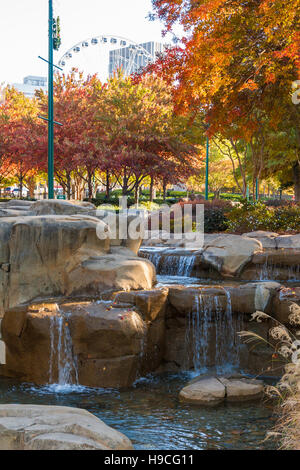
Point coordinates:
[(35, 427), (206, 391), (212, 391)]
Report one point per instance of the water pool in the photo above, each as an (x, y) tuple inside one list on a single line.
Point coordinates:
[(152, 417)]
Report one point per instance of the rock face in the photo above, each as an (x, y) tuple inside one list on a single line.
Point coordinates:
[(212, 391), (33, 427), (254, 256), (108, 344), (61, 207), (51, 256)]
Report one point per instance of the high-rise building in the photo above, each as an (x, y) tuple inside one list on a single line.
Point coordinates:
[(30, 84), (133, 58)]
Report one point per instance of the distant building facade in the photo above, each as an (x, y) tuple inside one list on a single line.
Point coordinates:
[(30, 84), (133, 58)]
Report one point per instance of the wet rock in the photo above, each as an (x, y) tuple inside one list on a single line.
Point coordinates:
[(215, 390), (150, 303), (285, 302), (206, 391), (182, 298), (34, 427), (106, 342), (242, 389), (247, 298)]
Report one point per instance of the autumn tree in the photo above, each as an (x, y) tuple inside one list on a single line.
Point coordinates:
[(236, 63), (137, 120), (22, 148)]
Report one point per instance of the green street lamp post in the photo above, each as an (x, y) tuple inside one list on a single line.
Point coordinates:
[(54, 43), (207, 168), (50, 108), (257, 189)]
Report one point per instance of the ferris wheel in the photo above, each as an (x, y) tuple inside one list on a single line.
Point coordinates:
[(106, 54)]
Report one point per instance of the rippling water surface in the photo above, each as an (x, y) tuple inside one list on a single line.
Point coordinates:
[(152, 417)]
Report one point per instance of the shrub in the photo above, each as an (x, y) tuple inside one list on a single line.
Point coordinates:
[(250, 217), (215, 219), (278, 203)]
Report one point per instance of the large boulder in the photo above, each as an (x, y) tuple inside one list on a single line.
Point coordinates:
[(267, 239), (36, 427), (229, 254), (51, 256), (247, 298), (61, 207)]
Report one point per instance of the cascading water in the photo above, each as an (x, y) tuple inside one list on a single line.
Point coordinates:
[(211, 334), (62, 363), (269, 272), (171, 265)]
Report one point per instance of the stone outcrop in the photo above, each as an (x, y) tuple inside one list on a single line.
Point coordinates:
[(230, 254), (211, 391), (52, 256), (34, 427), (61, 207), (112, 343), (286, 302), (253, 256)]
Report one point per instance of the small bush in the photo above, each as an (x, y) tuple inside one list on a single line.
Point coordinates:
[(258, 216)]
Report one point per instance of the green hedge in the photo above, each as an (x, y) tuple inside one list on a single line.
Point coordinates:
[(250, 217)]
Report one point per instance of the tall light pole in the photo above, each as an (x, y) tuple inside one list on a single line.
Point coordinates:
[(50, 108), (54, 43), (206, 126), (207, 168)]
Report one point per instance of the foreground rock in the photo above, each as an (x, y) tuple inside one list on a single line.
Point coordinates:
[(33, 427), (212, 391), (51, 256), (101, 344)]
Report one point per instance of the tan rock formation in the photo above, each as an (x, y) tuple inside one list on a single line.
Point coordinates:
[(230, 254), (212, 391), (35, 427)]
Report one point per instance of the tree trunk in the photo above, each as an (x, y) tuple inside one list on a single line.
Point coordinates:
[(296, 173), (90, 187), (107, 188), (21, 185), (164, 190), (68, 186), (151, 189)]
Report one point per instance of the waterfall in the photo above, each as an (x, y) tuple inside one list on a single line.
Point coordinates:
[(62, 359), (211, 334), (172, 265), (269, 271)]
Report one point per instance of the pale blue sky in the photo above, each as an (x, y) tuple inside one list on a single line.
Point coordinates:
[(24, 24)]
